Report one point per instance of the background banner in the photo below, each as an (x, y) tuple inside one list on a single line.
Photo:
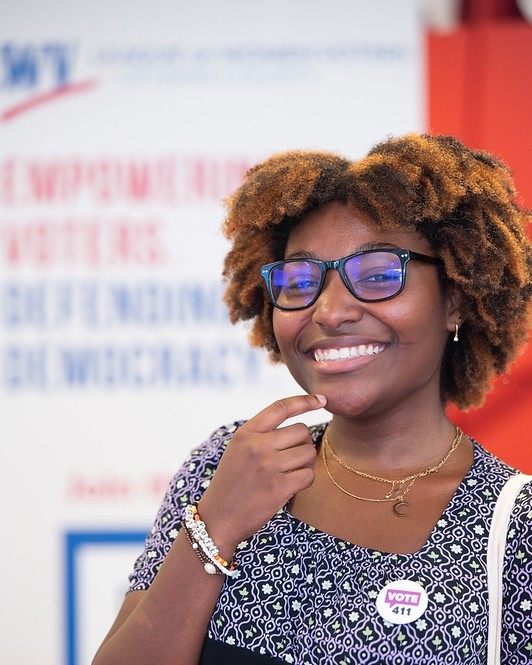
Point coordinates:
[(123, 126)]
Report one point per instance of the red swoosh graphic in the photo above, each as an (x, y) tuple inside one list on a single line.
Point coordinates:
[(44, 98)]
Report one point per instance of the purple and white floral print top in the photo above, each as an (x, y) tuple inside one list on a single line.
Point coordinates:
[(308, 598)]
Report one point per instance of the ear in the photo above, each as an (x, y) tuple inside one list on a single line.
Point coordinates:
[(455, 305)]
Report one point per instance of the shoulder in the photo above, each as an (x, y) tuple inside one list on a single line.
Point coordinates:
[(491, 468), (486, 479), (495, 473), (198, 467), (522, 510), (214, 446)]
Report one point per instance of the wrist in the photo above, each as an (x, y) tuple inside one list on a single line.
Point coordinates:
[(205, 547), (219, 527)]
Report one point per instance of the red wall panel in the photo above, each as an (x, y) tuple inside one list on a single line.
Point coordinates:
[(480, 90)]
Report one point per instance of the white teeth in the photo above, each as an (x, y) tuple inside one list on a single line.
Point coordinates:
[(347, 352)]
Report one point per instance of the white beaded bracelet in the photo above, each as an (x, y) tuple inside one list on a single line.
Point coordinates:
[(208, 553)]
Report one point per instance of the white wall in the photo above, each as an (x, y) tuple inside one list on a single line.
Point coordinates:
[(122, 127)]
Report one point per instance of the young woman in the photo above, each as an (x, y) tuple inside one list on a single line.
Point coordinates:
[(390, 287)]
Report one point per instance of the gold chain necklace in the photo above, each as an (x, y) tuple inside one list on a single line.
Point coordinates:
[(399, 488)]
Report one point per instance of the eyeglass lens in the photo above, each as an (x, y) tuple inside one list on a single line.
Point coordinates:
[(369, 276)]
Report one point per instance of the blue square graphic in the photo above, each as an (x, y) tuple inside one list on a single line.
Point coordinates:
[(75, 541)]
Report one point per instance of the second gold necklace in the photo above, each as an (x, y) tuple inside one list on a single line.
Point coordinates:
[(399, 488)]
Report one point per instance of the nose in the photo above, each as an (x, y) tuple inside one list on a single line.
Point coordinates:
[(336, 304)]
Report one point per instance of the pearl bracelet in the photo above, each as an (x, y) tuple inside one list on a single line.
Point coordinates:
[(203, 545)]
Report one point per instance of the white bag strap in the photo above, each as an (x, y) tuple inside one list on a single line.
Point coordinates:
[(496, 548)]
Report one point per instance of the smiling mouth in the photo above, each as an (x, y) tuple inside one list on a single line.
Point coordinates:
[(347, 352)]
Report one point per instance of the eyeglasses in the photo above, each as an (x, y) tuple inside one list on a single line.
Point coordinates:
[(371, 276)]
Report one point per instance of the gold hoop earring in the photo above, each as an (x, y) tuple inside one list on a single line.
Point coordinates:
[(455, 338)]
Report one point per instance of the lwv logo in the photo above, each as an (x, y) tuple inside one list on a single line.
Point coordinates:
[(36, 73)]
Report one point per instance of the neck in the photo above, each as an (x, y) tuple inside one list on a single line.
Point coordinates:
[(391, 447)]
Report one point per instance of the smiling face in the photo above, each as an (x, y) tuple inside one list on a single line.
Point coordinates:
[(365, 357)]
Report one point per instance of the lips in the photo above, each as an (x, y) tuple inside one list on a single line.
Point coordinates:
[(346, 352)]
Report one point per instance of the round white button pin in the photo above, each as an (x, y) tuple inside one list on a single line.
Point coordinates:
[(403, 601)]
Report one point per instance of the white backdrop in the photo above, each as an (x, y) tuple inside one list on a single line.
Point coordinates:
[(123, 126)]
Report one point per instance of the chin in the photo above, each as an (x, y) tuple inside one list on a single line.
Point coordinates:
[(352, 408)]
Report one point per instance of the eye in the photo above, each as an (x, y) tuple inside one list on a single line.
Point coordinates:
[(379, 277), (377, 271), (297, 281)]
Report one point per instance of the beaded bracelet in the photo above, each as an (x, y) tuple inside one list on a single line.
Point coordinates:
[(207, 552), (208, 566)]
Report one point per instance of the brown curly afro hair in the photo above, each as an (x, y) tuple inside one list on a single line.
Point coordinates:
[(462, 201)]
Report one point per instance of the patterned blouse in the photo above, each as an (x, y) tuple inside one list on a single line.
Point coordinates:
[(307, 598)]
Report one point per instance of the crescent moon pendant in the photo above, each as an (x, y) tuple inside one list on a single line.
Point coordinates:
[(396, 507)]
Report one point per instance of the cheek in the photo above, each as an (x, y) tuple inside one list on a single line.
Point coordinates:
[(278, 330), (286, 326), (418, 319)]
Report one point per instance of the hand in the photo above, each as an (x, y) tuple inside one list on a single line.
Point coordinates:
[(263, 466)]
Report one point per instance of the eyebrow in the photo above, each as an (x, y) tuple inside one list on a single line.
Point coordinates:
[(362, 248)]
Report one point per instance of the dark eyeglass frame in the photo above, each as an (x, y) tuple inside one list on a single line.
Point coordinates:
[(404, 256)]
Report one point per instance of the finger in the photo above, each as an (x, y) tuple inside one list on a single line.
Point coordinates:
[(296, 481), (276, 413), (298, 457), (290, 436)]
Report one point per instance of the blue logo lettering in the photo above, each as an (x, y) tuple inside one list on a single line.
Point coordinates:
[(30, 66)]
